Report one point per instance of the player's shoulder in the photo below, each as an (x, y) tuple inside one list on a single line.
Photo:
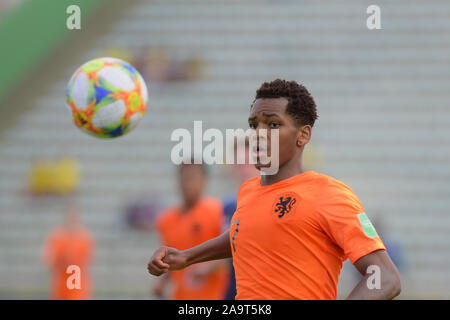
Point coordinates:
[(209, 211), (249, 184), (57, 233), (328, 183), (165, 216), (212, 203), (333, 191), (85, 235)]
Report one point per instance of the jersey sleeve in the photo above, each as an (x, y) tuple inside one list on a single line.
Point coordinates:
[(342, 218)]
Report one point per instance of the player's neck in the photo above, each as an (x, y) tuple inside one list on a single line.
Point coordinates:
[(73, 229), (289, 169), (188, 205)]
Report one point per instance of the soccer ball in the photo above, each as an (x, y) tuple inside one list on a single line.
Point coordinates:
[(107, 97)]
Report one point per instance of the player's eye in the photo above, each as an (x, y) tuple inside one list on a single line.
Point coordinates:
[(274, 125), (252, 125)]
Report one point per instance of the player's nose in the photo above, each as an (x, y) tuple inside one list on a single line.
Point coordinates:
[(262, 136)]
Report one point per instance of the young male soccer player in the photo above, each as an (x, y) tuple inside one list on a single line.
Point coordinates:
[(194, 221), (292, 230), (66, 245)]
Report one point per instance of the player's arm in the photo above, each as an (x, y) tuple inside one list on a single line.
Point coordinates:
[(166, 258), (377, 263)]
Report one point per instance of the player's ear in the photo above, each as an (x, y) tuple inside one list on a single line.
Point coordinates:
[(303, 135)]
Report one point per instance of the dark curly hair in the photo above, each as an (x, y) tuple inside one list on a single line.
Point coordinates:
[(301, 104)]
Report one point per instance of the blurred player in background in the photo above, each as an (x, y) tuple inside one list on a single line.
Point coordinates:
[(69, 245), (292, 230), (240, 173), (197, 219)]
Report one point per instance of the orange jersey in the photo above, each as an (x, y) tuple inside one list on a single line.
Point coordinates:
[(185, 230), (63, 249), (289, 239)]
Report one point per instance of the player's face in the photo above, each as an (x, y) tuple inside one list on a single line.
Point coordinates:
[(192, 182), (271, 114)]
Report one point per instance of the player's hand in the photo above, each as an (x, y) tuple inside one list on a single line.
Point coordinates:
[(165, 259)]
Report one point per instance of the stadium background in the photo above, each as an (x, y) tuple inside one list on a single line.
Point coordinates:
[(383, 128)]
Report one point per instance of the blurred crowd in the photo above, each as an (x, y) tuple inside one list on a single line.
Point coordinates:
[(159, 64)]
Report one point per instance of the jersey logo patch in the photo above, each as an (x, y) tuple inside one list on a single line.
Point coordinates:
[(367, 226), (196, 228), (284, 204)]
